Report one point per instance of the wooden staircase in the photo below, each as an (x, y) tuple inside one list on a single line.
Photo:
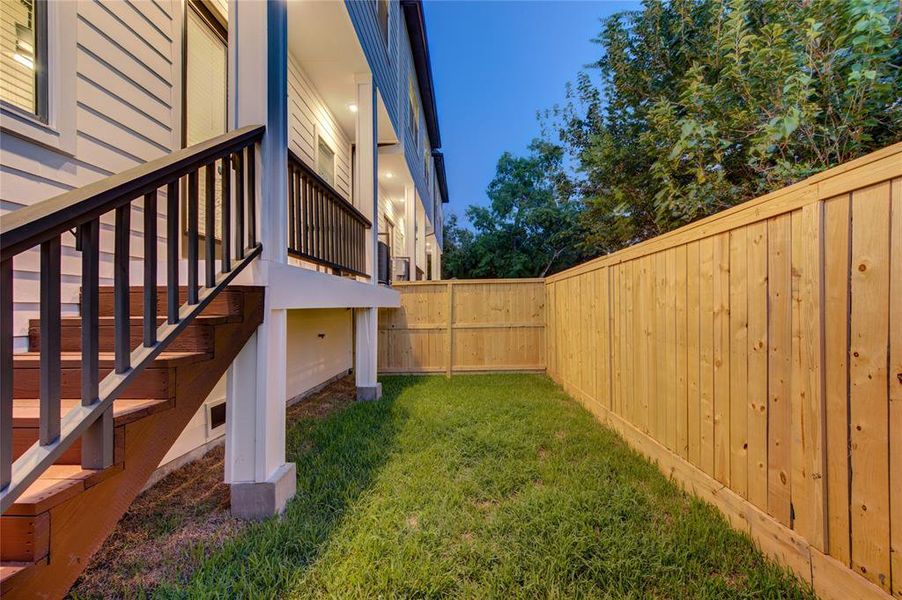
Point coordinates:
[(48, 535)]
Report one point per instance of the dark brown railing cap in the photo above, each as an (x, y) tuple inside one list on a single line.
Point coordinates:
[(31, 225)]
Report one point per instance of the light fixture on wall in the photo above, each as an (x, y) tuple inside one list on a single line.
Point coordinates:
[(389, 175), (352, 107)]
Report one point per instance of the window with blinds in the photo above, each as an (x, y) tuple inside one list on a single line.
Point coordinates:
[(23, 40), (413, 112), (325, 162), (206, 94), (382, 16)]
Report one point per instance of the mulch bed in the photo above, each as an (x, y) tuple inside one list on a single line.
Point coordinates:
[(170, 527)]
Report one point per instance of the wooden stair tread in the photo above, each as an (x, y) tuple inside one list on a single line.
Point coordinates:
[(125, 410), (10, 568), (72, 360), (57, 484)]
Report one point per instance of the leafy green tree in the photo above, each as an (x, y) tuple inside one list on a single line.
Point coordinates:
[(704, 104), (458, 259), (530, 228)]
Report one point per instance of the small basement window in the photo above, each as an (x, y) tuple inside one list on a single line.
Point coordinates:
[(216, 416), (23, 55), (325, 162)]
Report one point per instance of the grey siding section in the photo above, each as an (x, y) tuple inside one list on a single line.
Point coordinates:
[(391, 68), (125, 115)]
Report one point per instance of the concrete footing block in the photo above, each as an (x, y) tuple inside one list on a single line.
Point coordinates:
[(369, 393), (259, 500)]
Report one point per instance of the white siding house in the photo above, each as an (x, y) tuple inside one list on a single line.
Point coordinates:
[(93, 88)]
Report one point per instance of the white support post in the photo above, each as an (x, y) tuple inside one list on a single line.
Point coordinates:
[(261, 481), (410, 224), (436, 261), (366, 319), (368, 165), (366, 353)]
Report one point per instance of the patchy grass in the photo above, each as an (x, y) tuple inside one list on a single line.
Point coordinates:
[(482, 486), (172, 527)]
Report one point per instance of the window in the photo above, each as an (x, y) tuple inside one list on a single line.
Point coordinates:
[(23, 63), (37, 72), (426, 165), (414, 112), (325, 162), (382, 17)]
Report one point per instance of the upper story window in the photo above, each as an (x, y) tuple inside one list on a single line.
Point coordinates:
[(382, 17), (325, 162), (426, 165), (23, 61), (413, 112)]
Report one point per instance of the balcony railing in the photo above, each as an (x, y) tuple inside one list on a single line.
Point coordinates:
[(323, 227)]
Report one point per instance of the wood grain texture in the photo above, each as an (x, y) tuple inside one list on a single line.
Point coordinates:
[(461, 326), (869, 385)]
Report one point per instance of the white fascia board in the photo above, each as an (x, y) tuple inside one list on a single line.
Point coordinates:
[(292, 287)]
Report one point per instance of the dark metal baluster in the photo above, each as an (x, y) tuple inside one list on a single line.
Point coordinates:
[(6, 368), (210, 224), (320, 225), (172, 252), (298, 210), (51, 325), (342, 240), (150, 269), (330, 216), (333, 230), (251, 197), (239, 204), (97, 441), (292, 217), (121, 327), (307, 212), (302, 179), (192, 237), (226, 214)]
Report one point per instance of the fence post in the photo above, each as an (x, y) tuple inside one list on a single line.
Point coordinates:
[(449, 342)]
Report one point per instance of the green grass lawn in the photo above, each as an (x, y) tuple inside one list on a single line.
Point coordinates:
[(481, 486)]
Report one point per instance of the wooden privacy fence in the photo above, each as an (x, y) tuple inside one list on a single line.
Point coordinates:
[(757, 356), (472, 325)]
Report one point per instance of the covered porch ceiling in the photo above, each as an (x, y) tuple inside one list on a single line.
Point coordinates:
[(323, 42)]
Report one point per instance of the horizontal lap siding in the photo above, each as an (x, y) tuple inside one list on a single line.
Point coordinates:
[(308, 117), (125, 114), (782, 402), (391, 67)]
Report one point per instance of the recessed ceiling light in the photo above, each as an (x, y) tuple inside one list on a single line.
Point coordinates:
[(352, 107), (389, 175)]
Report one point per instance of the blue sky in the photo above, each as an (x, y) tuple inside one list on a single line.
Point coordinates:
[(495, 65)]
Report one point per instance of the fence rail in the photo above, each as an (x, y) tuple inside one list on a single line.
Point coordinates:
[(757, 356), (323, 227), (464, 326)]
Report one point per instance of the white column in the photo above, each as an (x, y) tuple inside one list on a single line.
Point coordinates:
[(368, 165), (261, 481), (410, 224), (366, 353), (366, 319)]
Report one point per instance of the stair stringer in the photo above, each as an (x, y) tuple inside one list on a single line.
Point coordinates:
[(79, 525)]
